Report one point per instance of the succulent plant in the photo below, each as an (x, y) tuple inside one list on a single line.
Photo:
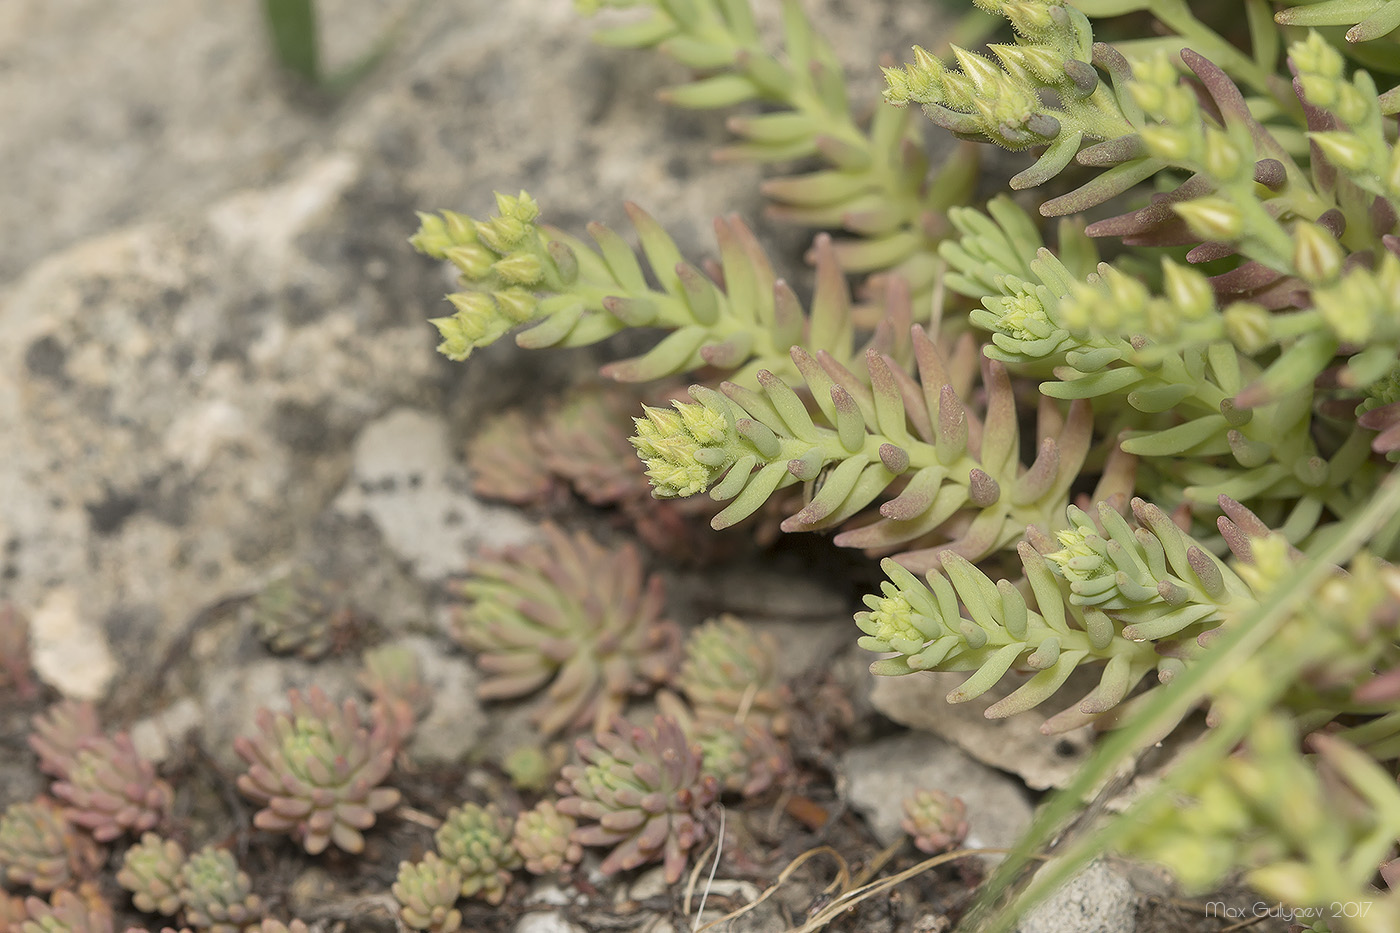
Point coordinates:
[(644, 792), (83, 911), (14, 653), (218, 896), (543, 837), (476, 840), (743, 754), (730, 669), (110, 789), (427, 893), (151, 872), (393, 678), (573, 614), (936, 821), (302, 613), (532, 766), (317, 770), (41, 849), (60, 732)]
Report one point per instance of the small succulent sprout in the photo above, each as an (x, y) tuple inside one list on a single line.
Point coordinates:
[(60, 732), (318, 770), (572, 614), (111, 790), (427, 893), (731, 669), (14, 653), (217, 895), (936, 821), (41, 849), (543, 837), (83, 911), (302, 613), (477, 840), (533, 767), (393, 678), (644, 792), (151, 872)]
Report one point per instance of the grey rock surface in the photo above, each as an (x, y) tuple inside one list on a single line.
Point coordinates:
[(1100, 899), (878, 776)]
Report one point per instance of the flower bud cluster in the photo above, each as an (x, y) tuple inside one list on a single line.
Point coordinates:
[(503, 262), (683, 448)]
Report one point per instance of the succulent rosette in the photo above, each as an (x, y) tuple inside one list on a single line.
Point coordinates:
[(151, 872), (543, 837), (41, 849), (572, 614), (477, 840), (218, 897), (111, 790), (301, 613), (427, 892), (318, 769), (730, 668), (644, 792)]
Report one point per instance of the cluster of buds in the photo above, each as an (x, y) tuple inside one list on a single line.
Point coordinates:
[(1043, 90), (503, 262), (1356, 142), (678, 446), (427, 893), (317, 771), (644, 792), (477, 841), (936, 821)]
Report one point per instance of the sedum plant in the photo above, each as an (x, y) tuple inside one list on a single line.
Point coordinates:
[(643, 792), (317, 771), (477, 840), (40, 849), (935, 821), (427, 892), (543, 837), (572, 614), (151, 872), (217, 896), (1195, 290), (111, 790)]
